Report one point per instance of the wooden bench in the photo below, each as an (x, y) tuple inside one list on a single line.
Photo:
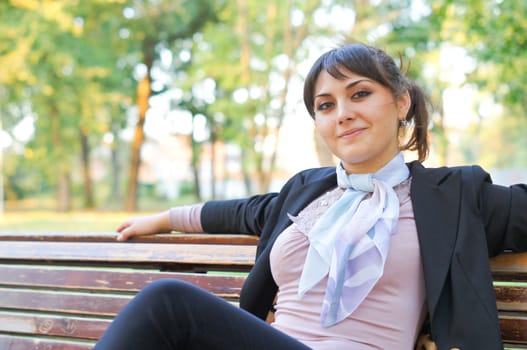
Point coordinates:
[(61, 291)]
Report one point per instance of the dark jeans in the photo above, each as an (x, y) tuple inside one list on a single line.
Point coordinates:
[(171, 314)]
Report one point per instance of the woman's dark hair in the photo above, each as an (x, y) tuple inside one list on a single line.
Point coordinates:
[(374, 63)]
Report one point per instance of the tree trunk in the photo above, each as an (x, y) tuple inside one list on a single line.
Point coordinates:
[(195, 165), (213, 139), (63, 181), (89, 202), (197, 186), (247, 181), (64, 192), (441, 135), (115, 191), (243, 32), (144, 89), (293, 38), (143, 93)]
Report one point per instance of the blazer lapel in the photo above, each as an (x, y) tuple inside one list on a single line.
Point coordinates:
[(435, 197)]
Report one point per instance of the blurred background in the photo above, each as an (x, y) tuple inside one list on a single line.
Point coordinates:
[(111, 108)]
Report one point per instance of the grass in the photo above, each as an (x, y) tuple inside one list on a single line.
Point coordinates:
[(39, 214), (50, 221)]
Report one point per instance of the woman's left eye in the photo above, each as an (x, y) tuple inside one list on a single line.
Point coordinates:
[(360, 94)]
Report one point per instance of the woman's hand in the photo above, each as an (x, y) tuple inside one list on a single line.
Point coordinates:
[(144, 225), (425, 343)]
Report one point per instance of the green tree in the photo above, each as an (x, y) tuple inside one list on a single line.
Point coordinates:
[(491, 32), (65, 79), (252, 56), (42, 67), (154, 26)]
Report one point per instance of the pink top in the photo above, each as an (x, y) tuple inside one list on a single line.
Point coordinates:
[(391, 315), (186, 218)]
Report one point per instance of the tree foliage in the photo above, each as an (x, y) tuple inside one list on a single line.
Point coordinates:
[(80, 74)]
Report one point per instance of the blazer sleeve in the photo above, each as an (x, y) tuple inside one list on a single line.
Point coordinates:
[(504, 211), (266, 213), (245, 216)]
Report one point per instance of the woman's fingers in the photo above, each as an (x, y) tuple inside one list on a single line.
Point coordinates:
[(144, 225), (127, 230)]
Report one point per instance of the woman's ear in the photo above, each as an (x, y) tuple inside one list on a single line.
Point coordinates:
[(404, 104)]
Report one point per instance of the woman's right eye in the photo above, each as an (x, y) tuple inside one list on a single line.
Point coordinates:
[(361, 94), (323, 106)]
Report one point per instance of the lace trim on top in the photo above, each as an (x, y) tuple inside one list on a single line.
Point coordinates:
[(314, 210)]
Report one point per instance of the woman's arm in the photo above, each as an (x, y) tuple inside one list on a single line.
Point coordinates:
[(183, 219), (246, 216), (504, 210), (226, 216)]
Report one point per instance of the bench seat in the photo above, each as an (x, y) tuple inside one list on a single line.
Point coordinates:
[(61, 290)]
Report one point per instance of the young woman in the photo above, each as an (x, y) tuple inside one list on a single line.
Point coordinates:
[(360, 256)]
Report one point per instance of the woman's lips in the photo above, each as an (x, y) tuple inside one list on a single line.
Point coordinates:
[(351, 133)]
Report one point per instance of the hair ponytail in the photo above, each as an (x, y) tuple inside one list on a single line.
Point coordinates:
[(418, 117)]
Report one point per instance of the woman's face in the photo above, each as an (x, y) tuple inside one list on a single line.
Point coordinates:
[(358, 119)]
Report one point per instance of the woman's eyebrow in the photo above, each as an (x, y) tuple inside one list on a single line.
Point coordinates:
[(349, 86), (353, 83)]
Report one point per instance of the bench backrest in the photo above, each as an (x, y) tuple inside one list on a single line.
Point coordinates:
[(61, 291)]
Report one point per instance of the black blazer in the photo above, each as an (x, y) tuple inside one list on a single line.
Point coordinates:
[(462, 219)]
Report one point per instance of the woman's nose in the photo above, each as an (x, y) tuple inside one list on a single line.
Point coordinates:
[(345, 111)]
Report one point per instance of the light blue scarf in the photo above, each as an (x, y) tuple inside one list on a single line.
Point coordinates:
[(350, 241)]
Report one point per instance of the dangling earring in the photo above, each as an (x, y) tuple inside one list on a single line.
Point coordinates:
[(403, 123)]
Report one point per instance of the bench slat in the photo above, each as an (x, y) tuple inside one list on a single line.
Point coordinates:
[(14, 342), (89, 279), (193, 238), (509, 267), (144, 254), (53, 325), (513, 328), (71, 303), (85, 279), (511, 297)]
